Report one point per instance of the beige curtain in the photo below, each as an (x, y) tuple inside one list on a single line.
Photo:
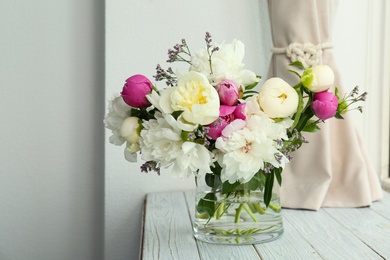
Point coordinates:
[(334, 169)]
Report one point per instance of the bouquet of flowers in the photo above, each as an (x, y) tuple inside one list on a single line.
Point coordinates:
[(211, 122)]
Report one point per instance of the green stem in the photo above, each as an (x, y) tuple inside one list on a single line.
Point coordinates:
[(203, 215), (274, 207), (259, 208), (250, 213), (252, 207), (238, 213), (220, 210)]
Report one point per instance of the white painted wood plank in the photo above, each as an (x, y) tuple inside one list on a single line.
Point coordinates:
[(368, 226), (329, 238), (167, 228), (382, 207), (326, 234), (291, 245), (211, 251)]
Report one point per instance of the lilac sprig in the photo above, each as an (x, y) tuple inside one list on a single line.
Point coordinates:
[(168, 75), (350, 99), (150, 166), (178, 52), (199, 136), (293, 143), (210, 49), (268, 168)]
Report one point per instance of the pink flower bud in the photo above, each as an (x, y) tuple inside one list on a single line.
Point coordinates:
[(240, 111), (325, 105), (228, 92), (135, 90), (227, 114)]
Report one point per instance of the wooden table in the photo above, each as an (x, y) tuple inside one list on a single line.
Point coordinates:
[(330, 233)]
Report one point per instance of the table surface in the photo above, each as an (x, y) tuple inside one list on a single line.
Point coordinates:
[(330, 233)]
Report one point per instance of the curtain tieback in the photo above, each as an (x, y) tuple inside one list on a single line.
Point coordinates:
[(307, 53)]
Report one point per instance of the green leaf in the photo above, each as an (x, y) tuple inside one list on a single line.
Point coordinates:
[(338, 116), (245, 97), (207, 204), (216, 169), (229, 187), (262, 177), (135, 112), (250, 92), (336, 92), (269, 183), (176, 114), (213, 181), (296, 73), (209, 179), (297, 64), (307, 78), (306, 115), (278, 120), (254, 84), (297, 115), (254, 183), (342, 107), (311, 127), (278, 174)]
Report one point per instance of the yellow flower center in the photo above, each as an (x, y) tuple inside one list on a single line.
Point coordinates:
[(282, 97), (188, 95)]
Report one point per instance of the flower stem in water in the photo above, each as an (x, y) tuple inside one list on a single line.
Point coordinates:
[(238, 213), (250, 213), (259, 208), (220, 210), (274, 207)]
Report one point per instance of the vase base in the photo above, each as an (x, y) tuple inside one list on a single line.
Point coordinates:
[(239, 240)]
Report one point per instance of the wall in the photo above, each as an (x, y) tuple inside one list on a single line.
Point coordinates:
[(51, 110)]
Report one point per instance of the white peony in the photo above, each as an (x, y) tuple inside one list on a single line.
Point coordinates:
[(130, 129), (130, 132), (246, 150), (131, 152), (318, 78), (277, 98), (252, 106), (118, 111), (193, 95), (161, 142), (226, 64), (194, 157)]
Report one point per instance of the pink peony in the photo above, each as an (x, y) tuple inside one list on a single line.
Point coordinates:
[(135, 90), (325, 105), (227, 114), (228, 92)]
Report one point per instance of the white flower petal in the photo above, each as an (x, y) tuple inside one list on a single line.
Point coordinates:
[(165, 101), (154, 99), (226, 64), (277, 98), (118, 111), (184, 125), (245, 150)]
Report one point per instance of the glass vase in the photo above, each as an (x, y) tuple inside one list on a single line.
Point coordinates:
[(236, 217)]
